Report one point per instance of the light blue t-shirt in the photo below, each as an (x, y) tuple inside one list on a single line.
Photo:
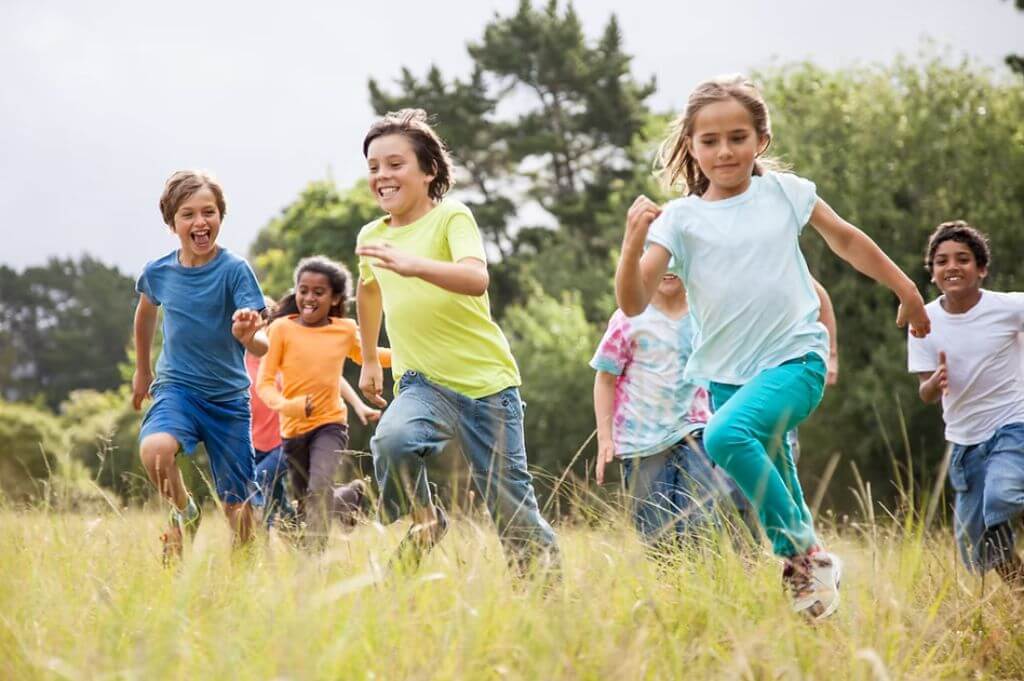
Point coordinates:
[(749, 288), (199, 351)]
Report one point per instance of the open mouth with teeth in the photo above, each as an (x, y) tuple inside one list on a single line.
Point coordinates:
[(387, 191), (201, 238)]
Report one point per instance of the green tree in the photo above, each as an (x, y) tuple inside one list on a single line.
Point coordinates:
[(30, 440), (567, 151), (896, 150), (62, 327)]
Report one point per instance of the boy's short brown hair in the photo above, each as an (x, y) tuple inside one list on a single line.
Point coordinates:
[(961, 232), (180, 187), (431, 152)]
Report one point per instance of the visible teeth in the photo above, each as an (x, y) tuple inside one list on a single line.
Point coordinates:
[(387, 191)]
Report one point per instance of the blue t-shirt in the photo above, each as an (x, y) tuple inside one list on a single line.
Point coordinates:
[(750, 292), (199, 351)]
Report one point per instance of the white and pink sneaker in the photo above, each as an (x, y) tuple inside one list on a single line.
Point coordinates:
[(813, 582)]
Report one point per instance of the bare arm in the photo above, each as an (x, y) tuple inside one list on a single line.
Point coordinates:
[(468, 276), (858, 249), (827, 316), (637, 274), (145, 328), (604, 403), (370, 310)]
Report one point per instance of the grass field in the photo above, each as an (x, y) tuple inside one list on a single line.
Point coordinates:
[(85, 597)]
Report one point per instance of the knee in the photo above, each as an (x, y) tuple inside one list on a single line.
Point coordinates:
[(157, 452), (394, 444), (721, 439)]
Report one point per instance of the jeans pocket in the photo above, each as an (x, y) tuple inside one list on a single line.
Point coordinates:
[(957, 476), (512, 405)]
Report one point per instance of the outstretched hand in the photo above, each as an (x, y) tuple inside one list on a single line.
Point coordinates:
[(390, 258), (245, 322)]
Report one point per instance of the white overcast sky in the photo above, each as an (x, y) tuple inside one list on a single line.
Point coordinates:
[(102, 99)]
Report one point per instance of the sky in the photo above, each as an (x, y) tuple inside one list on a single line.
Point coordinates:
[(102, 100)]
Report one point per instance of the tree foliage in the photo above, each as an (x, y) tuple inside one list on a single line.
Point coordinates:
[(63, 326)]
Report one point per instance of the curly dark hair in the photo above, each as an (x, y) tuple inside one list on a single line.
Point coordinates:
[(431, 153), (961, 232), (336, 273)]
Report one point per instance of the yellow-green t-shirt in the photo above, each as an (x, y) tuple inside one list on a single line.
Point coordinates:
[(448, 337)]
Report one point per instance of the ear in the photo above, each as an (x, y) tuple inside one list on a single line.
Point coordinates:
[(982, 272), (765, 142)]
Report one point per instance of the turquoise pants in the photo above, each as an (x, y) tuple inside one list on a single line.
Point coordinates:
[(746, 437)]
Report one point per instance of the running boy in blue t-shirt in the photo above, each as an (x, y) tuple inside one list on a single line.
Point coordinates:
[(211, 300)]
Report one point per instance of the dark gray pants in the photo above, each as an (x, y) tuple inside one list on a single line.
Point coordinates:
[(313, 459)]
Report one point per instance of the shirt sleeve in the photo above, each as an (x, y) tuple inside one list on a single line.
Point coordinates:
[(801, 195), (464, 240), (667, 232), (144, 285), (1017, 301), (266, 379), (921, 357), (615, 351), (246, 290), (355, 351)]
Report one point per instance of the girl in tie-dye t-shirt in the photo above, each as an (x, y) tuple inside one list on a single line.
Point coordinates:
[(652, 418)]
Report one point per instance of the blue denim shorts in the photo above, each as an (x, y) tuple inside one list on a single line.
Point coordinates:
[(222, 426), (988, 479)]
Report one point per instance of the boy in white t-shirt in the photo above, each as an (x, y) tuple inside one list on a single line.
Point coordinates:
[(972, 362)]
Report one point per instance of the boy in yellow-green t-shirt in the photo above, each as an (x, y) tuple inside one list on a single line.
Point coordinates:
[(423, 268)]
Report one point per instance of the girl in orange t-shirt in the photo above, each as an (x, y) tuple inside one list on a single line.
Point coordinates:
[(309, 343)]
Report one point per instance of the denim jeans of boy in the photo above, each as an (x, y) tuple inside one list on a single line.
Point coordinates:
[(422, 421), (679, 495), (988, 479), (271, 475)]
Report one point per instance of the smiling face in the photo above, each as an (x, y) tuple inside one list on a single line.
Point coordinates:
[(197, 224), (396, 179), (955, 269), (725, 144), (670, 285), (314, 297)]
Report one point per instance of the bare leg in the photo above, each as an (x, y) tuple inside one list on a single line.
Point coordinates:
[(240, 517)]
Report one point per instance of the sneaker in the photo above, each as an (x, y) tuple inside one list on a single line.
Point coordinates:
[(813, 583), (181, 523), (348, 503), (418, 541)]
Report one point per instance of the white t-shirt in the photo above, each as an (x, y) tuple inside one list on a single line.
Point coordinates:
[(983, 362), (750, 292), (654, 406)]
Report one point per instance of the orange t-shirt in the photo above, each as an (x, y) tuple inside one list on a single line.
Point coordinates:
[(310, 360), (266, 426)]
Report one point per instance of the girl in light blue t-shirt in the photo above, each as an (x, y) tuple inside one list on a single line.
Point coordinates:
[(760, 348)]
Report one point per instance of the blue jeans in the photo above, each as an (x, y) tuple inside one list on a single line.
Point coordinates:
[(988, 479), (422, 421), (679, 493), (271, 470)]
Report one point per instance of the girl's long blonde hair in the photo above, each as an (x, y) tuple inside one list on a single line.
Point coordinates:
[(676, 165)]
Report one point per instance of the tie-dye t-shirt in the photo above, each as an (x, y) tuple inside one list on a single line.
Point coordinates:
[(654, 405)]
